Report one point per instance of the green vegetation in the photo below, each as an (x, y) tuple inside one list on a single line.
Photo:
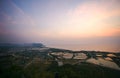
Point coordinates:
[(42, 70), (8, 69), (84, 70), (35, 64)]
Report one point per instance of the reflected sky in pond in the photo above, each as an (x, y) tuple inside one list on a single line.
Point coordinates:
[(103, 62)]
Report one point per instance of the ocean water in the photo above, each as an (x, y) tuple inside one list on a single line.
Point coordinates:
[(77, 47)]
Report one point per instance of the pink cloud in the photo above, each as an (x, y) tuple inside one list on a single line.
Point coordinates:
[(89, 19), (103, 9)]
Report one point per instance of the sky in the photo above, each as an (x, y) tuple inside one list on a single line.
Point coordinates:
[(68, 24)]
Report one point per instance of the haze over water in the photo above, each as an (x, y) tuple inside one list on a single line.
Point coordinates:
[(106, 48), (69, 24)]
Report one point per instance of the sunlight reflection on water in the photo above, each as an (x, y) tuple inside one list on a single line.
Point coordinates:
[(103, 62)]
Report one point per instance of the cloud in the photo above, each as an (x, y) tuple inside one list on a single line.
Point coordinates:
[(15, 24), (89, 18), (26, 19), (95, 10), (13, 14)]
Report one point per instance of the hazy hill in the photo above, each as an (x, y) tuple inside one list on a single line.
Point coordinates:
[(22, 45)]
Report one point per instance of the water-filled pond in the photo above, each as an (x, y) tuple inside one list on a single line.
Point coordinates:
[(103, 62)]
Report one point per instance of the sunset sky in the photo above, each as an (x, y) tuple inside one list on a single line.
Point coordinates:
[(69, 24)]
